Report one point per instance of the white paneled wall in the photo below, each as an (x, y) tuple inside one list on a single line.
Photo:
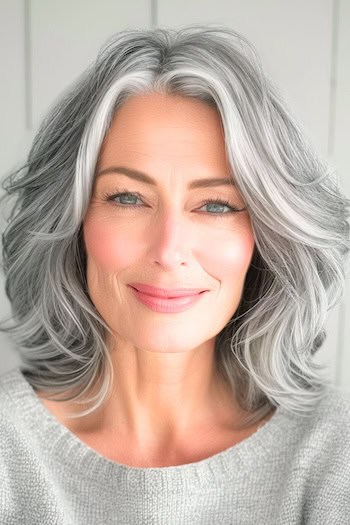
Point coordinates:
[(304, 47), (66, 36)]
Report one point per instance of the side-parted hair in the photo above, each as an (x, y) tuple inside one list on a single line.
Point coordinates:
[(298, 216)]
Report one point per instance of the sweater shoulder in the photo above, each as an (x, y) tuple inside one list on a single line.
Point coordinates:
[(325, 449), (328, 425), (333, 411), (17, 413), (11, 421)]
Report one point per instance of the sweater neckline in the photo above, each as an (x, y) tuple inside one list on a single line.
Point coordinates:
[(60, 444)]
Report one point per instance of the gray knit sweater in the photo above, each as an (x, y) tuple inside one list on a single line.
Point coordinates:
[(291, 471)]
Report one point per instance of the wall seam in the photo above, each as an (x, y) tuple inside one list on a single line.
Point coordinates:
[(333, 78), (28, 65)]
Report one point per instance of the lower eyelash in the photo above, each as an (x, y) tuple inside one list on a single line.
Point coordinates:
[(233, 209)]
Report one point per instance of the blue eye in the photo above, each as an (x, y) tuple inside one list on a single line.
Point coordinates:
[(128, 200), (220, 203), (130, 197)]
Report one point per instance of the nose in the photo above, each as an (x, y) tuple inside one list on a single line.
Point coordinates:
[(172, 244)]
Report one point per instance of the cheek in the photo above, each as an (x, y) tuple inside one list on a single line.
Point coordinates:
[(108, 246), (228, 258)]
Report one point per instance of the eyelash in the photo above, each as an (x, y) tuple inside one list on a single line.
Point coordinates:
[(111, 196)]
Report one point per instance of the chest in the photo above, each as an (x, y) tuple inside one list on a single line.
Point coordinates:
[(195, 448)]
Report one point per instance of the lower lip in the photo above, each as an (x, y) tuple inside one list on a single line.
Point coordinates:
[(169, 306)]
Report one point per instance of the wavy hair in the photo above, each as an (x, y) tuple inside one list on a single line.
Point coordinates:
[(298, 215)]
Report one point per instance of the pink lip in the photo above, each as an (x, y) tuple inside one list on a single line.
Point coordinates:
[(174, 305), (166, 293)]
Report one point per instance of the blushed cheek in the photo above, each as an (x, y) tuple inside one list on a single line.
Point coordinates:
[(109, 247), (228, 260)]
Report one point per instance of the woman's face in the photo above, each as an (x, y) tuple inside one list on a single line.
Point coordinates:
[(163, 234)]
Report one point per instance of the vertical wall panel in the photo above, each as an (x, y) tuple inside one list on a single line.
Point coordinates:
[(342, 159), (12, 85), (66, 37)]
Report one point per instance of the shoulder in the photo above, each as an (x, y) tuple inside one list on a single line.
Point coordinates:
[(334, 407), (17, 417), (326, 431), (10, 415), (26, 484), (13, 453), (324, 457), (10, 386), (328, 420), (332, 417)]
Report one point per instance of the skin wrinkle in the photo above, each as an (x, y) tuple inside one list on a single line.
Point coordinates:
[(166, 395)]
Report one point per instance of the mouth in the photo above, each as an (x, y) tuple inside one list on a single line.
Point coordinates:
[(163, 293), (167, 305)]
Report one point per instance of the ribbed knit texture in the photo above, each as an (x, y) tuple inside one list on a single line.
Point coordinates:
[(291, 471)]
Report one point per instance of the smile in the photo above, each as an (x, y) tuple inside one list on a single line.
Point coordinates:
[(167, 305)]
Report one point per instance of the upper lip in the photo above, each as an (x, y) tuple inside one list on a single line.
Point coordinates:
[(155, 291)]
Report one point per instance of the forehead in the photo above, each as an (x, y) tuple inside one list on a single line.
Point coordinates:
[(157, 121)]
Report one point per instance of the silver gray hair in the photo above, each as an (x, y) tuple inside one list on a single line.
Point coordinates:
[(298, 215)]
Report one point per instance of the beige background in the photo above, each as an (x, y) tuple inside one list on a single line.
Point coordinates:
[(304, 47)]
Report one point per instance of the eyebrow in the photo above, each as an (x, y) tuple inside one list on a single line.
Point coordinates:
[(143, 177)]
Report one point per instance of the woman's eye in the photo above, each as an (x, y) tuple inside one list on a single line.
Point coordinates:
[(218, 204), (125, 198)]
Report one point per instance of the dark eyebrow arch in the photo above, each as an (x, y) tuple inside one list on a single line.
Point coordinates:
[(143, 177)]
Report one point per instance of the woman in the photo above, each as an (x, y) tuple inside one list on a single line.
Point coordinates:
[(171, 257)]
